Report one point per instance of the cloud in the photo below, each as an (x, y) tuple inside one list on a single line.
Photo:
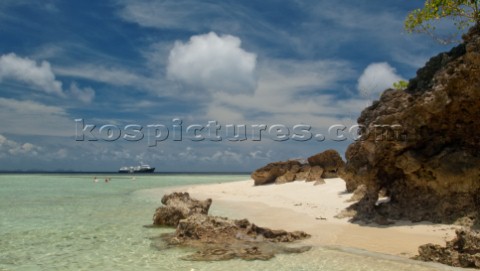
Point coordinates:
[(258, 154), (376, 78), (33, 118), (214, 63), (109, 75), (40, 76), (188, 154), (237, 18), (225, 156), (85, 95), (121, 77), (411, 59), (185, 14), (6, 5), (288, 92), (366, 23), (28, 71), (11, 147)]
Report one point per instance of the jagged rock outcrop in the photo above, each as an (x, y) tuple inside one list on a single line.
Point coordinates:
[(178, 206), (422, 144), (219, 238), (330, 161), (322, 165), (463, 251), (270, 173)]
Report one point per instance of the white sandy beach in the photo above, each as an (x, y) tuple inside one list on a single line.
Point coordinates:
[(303, 206)]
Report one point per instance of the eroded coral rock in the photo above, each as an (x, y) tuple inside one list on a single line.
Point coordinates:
[(421, 145), (330, 161), (327, 164), (269, 173), (315, 174), (462, 251), (220, 238), (179, 206)]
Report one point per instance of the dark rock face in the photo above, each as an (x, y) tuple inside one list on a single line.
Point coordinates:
[(322, 165), (422, 145), (219, 238), (329, 160), (179, 206), (424, 81), (463, 251)]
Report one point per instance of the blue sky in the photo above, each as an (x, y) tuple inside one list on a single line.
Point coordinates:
[(146, 62)]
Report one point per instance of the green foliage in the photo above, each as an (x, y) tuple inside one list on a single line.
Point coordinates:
[(463, 13), (400, 85)]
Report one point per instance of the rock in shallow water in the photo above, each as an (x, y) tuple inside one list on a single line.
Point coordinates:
[(219, 238), (463, 251), (179, 206)]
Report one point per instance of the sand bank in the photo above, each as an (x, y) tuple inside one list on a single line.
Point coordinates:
[(303, 206)]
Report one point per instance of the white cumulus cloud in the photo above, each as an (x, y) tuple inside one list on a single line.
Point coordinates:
[(376, 78), (28, 71), (39, 76), (214, 63)]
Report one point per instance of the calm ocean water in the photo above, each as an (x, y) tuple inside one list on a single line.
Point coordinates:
[(68, 222)]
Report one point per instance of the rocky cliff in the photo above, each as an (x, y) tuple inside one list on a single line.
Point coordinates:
[(422, 145)]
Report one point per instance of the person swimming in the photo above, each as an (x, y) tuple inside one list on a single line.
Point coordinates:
[(95, 180)]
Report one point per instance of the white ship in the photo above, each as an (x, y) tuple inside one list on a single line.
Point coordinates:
[(137, 169)]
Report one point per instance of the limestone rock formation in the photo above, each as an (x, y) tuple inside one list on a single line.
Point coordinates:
[(463, 251), (315, 174), (322, 165), (179, 206), (270, 173), (304, 173), (219, 238), (422, 144), (329, 160), (289, 176)]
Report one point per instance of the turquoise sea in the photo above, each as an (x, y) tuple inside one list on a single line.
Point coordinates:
[(68, 222)]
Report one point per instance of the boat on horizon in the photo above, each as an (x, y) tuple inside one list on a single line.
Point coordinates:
[(137, 169)]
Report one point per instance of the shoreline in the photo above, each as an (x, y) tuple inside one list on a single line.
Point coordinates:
[(303, 206)]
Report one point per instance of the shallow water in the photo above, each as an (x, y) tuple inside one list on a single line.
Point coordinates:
[(68, 222)]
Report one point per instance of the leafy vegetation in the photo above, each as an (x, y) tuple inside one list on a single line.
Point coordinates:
[(464, 13), (400, 85)]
